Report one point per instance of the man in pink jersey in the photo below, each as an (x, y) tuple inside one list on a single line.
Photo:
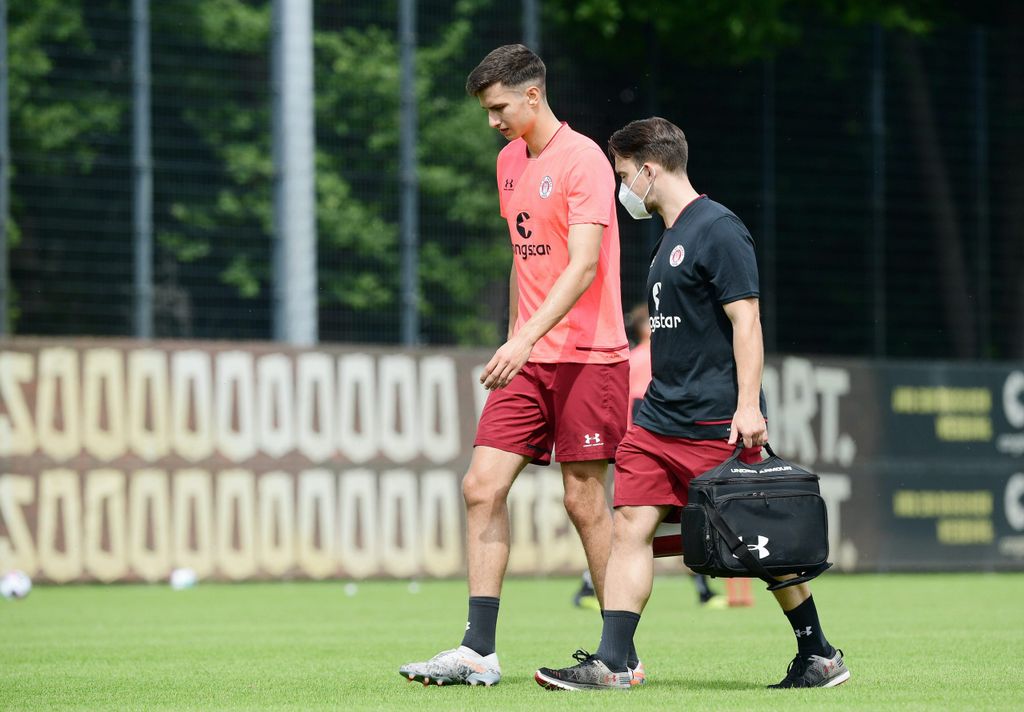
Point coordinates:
[(560, 380)]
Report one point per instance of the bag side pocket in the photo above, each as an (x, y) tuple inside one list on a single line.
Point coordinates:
[(696, 536)]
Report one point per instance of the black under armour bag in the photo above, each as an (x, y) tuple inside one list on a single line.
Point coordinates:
[(764, 519)]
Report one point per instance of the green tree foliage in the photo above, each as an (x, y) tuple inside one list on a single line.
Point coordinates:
[(357, 120), (70, 91), (54, 129), (215, 57), (725, 31), (44, 119)]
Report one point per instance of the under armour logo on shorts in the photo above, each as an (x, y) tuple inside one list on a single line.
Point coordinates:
[(591, 440)]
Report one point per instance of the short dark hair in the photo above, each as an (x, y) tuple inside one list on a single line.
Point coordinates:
[(512, 65), (654, 139)]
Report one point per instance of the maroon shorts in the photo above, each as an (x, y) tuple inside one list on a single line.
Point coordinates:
[(653, 469), (577, 408)]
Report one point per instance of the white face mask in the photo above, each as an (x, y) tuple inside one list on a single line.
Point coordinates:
[(632, 202)]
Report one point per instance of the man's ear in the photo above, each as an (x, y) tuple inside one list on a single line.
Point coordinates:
[(533, 95)]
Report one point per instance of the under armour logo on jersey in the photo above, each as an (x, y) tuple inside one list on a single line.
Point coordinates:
[(509, 184), (806, 631), (656, 294), (761, 547), (591, 440), (467, 625)]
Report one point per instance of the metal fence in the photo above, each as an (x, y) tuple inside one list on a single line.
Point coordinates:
[(878, 173)]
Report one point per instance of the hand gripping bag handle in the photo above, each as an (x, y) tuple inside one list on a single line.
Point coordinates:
[(740, 448)]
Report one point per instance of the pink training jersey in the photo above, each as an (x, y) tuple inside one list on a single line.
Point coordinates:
[(639, 375), (569, 183)]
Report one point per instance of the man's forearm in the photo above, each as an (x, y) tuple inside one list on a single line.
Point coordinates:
[(748, 350)]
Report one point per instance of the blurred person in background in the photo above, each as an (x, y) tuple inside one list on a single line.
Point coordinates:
[(705, 397), (561, 379), (639, 323)]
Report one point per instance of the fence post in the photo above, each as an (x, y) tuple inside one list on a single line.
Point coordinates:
[(142, 170), (408, 176), (876, 107), (294, 141), (768, 195), (531, 24), (981, 209), (5, 160)]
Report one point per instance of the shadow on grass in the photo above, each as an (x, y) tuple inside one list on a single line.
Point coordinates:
[(703, 685)]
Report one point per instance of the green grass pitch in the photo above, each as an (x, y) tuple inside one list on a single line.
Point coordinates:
[(912, 642)]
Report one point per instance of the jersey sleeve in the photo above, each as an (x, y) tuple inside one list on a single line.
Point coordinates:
[(590, 188), (728, 260)]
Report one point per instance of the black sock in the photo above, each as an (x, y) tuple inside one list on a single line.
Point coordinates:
[(483, 619), (703, 590), (617, 638), (632, 658), (810, 639)]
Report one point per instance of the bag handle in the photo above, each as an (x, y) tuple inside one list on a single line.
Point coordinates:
[(741, 552), (739, 449)]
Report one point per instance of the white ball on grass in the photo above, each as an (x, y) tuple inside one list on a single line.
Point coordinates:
[(183, 578), (15, 584)]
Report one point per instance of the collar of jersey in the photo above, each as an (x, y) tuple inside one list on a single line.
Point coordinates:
[(558, 131), (678, 222)]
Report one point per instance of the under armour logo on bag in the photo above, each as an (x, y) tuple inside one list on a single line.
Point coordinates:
[(761, 547), (591, 440), (800, 633)]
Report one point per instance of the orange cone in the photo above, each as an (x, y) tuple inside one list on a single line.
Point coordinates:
[(739, 592)]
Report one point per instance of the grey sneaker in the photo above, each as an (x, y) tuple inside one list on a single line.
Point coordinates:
[(638, 675), (459, 666), (590, 673), (815, 671)]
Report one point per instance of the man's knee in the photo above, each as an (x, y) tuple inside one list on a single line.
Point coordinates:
[(584, 497), (480, 489), (635, 525), (584, 506)]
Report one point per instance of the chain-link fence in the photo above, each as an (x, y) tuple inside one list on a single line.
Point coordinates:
[(877, 171)]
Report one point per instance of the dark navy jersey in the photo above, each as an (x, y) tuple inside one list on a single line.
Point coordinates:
[(706, 259)]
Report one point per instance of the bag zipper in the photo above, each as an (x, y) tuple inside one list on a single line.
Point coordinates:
[(772, 494), (760, 480)]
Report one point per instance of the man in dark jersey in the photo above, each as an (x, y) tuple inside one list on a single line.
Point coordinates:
[(705, 396)]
